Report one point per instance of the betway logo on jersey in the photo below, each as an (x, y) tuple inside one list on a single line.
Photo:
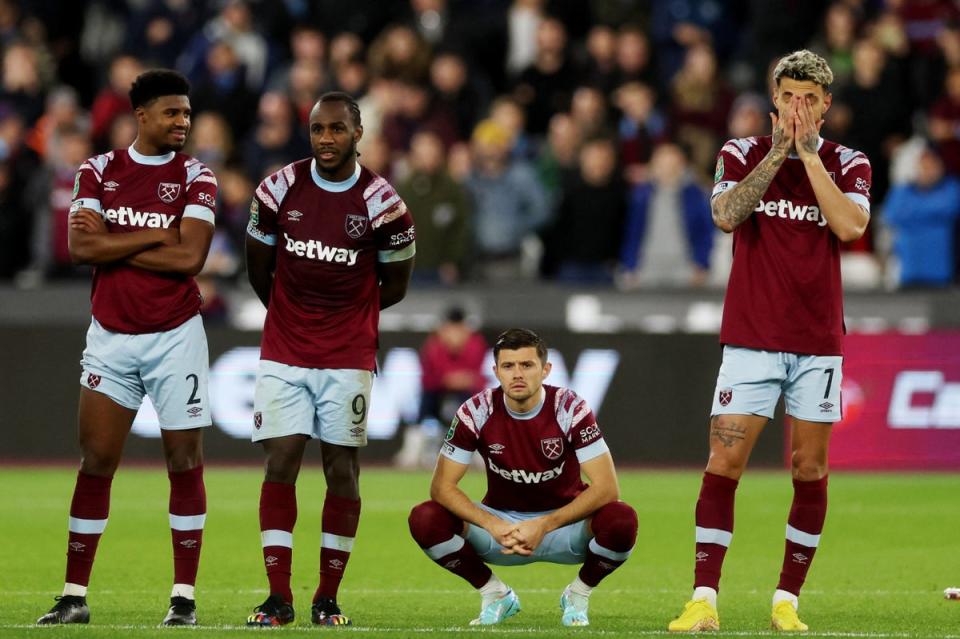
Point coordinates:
[(316, 250), (523, 477), (787, 210), (126, 216)]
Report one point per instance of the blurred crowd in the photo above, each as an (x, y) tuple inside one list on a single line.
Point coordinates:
[(532, 139)]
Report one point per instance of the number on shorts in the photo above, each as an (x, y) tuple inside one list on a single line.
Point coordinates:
[(196, 385), (829, 374), (359, 407)]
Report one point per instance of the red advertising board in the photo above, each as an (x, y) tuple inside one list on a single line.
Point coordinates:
[(901, 403)]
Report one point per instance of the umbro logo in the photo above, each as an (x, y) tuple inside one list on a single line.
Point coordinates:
[(110, 186), (294, 216), (702, 556), (270, 560), (357, 431), (605, 565), (189, 543), (76, 546), (336, 564), (453, 563), (800, 558), (195, 411), (825, 407), (496, 449)]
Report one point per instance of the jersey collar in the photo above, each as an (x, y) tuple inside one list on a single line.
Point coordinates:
[(530, 414), (335, 187), (794, 156), (154, 160)]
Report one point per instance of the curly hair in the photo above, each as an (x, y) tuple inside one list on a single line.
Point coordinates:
[(152, 84), (804, 65)]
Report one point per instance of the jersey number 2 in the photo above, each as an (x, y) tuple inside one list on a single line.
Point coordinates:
[(196, 385)]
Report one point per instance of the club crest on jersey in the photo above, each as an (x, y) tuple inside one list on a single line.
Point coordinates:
[(356, 225), (552, 447), (168, 191), (725, 396), (93, 380), (257, 420)]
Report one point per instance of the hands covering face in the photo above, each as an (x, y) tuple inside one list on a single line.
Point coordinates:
[(795, 127)]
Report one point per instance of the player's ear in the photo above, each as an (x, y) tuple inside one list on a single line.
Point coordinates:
[(827, 101), (546, 369), (358, 133)]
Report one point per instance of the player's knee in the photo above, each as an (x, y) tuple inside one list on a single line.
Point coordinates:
[(615, 526), (808, 467), (431, 524), (726, 463), (99, 463)]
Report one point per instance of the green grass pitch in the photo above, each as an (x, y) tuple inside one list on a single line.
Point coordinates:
[(889, 549)]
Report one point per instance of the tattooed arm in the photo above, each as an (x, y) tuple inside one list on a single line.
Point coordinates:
[(732, 207), (847, 219)]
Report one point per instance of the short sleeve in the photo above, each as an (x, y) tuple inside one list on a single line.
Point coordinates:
[(392, 223), (87, 185), (855, 176), (731, 164), (577, 420), (460, 441), (263, 212), (201, 186)]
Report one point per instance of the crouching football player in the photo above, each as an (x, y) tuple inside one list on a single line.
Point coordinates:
[(535, 441)]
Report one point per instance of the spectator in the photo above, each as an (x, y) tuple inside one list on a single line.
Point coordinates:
[(112, 101), (222, 83), (678, 26), (857, 123), (418, 110), (22, 86), (923, 215), (700, 107), (634, 58), (18, 164), (233, 25), (399, 52), (557, 160), (641, 126), (600, 69), (211, 141), (545, 87), (523, 22), (509, 206), (588, 108), (49, 195), (276, 138), (944, 122), (835, 44), (509, 114), (459, 91), (749, 116), (442, 212), (590, 217), (669, 229), (451, 361)]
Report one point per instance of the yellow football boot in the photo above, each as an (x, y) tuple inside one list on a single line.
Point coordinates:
[(784, 617), (697, 616)]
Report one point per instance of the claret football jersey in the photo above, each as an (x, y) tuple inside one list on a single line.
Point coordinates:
[(325, 301), (784, 292), (533, 459), (133, 192)]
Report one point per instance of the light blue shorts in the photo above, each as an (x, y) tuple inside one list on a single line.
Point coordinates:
[(327, 404), (750, 383), (170, 367), (566, 545)]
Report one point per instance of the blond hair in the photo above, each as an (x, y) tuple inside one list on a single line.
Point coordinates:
[(804, 65)]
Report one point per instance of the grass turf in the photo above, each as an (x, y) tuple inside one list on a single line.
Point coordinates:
[(889, 549)]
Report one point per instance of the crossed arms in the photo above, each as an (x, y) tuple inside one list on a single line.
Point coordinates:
[(522, 538), (181, 251)]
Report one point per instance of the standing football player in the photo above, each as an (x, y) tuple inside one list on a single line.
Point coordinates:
[(790, 199), (329, 245), (143, 216), (535, 441)]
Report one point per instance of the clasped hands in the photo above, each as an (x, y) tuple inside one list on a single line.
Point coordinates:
[(521, 537)]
